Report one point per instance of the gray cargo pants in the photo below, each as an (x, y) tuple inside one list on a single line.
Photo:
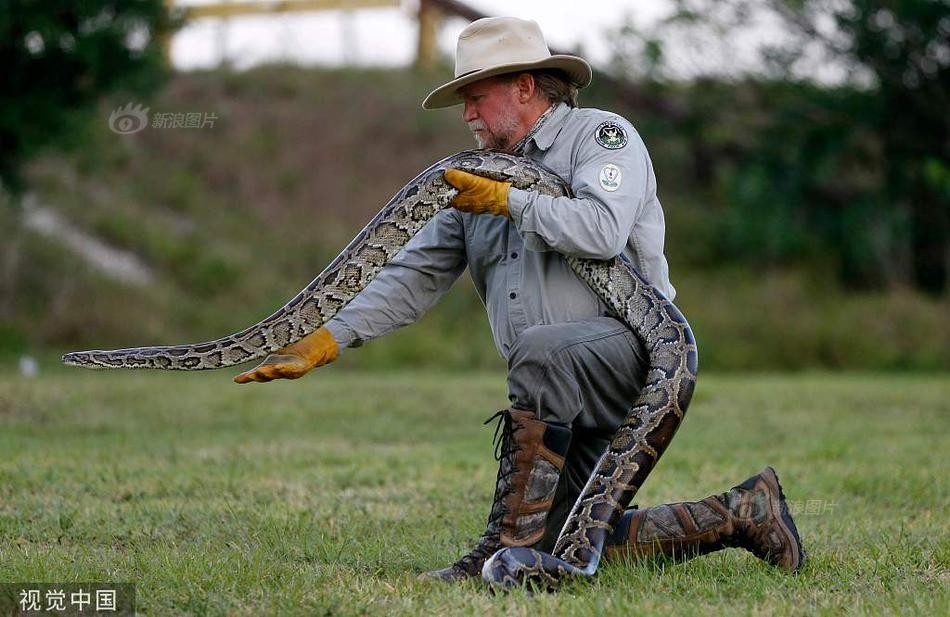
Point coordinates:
[(581, 374)]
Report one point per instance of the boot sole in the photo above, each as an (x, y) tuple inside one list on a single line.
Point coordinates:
[(787, 524)]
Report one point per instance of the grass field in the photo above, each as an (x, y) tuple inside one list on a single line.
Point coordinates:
[(327, 495)]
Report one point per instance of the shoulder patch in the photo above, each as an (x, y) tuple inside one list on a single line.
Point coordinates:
[(610, 135), (610, 177)]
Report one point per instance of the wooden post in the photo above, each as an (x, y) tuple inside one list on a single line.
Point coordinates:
[(165, 38), (221, 43), (427, 50)]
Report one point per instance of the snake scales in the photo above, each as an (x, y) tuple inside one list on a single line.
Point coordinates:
[(639, 441)]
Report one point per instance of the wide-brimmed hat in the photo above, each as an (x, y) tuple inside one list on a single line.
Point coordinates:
[(498, 45)]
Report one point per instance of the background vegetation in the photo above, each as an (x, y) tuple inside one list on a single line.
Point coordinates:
[(807, 219)]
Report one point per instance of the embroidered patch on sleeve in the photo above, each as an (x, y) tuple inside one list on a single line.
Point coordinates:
[(610, 135), (610, 177)]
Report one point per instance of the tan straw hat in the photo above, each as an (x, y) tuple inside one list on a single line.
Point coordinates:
[(498, 45)]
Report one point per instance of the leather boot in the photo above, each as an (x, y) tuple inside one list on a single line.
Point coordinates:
[(530, 460), (752, 515)]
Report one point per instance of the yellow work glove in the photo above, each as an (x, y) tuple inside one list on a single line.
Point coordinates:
[(295, 360), (478, 195)]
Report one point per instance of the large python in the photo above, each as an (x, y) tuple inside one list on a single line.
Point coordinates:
[(639, 441)]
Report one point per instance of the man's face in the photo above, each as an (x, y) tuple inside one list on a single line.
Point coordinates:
[(490, 111)]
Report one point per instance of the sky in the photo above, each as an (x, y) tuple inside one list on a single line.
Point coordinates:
[(387, 37)]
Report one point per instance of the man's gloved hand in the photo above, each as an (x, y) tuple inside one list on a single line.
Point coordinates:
[(478, 195), (295, 360)]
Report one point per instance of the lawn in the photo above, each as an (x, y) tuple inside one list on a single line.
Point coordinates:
[(329, 494)]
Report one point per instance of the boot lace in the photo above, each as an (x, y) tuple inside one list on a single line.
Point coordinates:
[(472, 562), (505, 448)]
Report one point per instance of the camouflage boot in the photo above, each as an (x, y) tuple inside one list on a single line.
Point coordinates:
[(753, 516), (530, 461)]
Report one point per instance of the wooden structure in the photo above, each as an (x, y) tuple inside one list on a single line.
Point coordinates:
[(242, 8), (430, 16), (263, 7)]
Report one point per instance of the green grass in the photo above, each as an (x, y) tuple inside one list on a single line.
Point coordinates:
[(328, 495)]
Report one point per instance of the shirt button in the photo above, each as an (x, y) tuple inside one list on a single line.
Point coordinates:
[(512, 295), (514, 255)]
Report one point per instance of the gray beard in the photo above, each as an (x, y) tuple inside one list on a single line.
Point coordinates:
[(500, 140), (492, 141)]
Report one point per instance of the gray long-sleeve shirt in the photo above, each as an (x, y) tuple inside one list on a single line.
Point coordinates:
[(516, 263)]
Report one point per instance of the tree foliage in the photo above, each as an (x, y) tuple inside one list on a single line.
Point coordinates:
[(832, 134), (59, 57)]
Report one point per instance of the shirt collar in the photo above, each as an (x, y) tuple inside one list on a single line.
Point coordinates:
[(550, 129)]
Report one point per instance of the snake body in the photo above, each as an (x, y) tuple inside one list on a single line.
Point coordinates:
[(639, 441)]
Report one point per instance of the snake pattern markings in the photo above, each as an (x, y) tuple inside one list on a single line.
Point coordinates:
[(638, 443)]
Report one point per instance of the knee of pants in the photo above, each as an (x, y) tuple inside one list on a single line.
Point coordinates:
[(540, 375)]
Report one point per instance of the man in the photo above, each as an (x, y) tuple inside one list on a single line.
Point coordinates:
[(573, 368)]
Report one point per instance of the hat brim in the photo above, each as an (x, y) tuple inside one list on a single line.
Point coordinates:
[(577, 69)]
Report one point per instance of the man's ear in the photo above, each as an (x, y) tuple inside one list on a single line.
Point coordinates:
[(526, 87)]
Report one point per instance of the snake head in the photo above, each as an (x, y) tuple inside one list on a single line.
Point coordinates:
[(84, 359), (518, 567)]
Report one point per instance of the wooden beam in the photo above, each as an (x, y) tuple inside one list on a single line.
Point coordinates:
[(427, 49), (237, 9), (459, 9)]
